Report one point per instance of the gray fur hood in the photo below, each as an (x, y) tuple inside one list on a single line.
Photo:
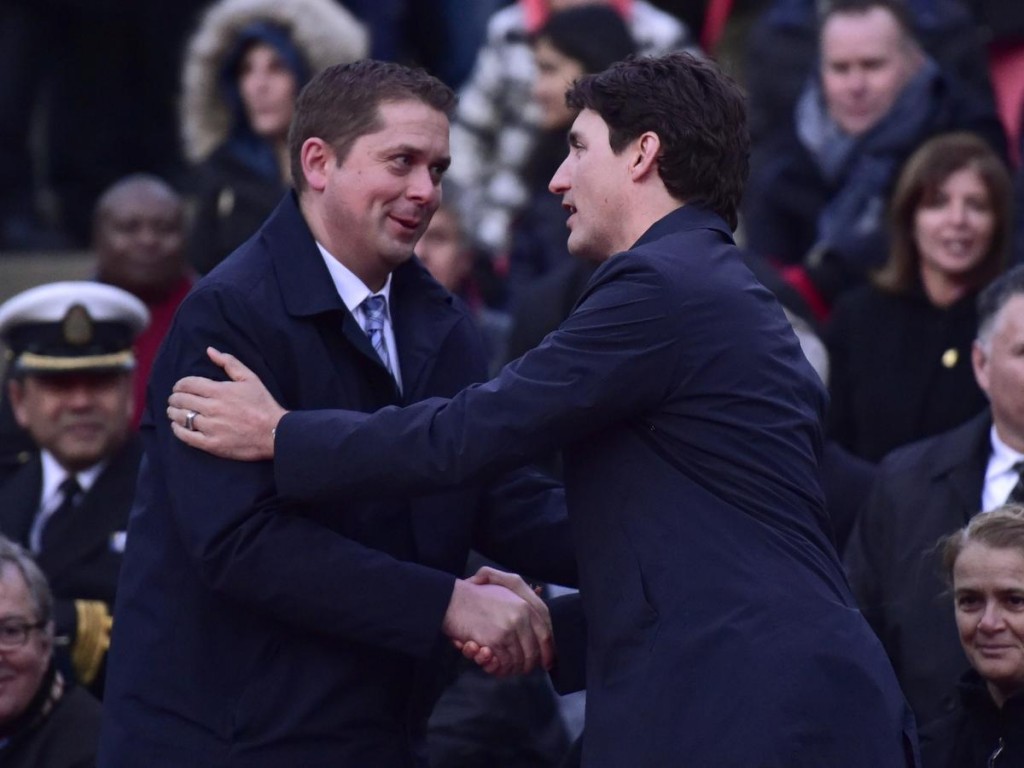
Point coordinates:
[(322, 30)]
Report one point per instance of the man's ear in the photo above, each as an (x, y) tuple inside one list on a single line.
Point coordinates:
[(317, 156), (16, 392), (979, 360), (645, 153)]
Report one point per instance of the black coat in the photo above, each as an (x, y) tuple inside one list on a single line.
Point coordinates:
[(67, 737), (260, 633), (975, 729), (922, 492), (231, 202), (900, 370), (720, 627), (86, 566)]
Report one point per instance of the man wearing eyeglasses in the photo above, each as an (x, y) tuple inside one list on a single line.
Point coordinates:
[(71, 389), (43, 722)]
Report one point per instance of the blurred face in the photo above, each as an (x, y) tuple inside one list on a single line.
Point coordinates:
[(865, 64), (999, 369), (441, 251), (988, 588), (380, 199), (954, 231), (589, 181), (80, 418), (268, 91), (555, 73), (21, 668), (140, 238)]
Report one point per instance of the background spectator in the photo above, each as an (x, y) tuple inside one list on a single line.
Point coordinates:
[(900, 346), (819, 187), (243, 69), (930, 489), (43, 722), (71, 389), (139, 240), (984, 564)]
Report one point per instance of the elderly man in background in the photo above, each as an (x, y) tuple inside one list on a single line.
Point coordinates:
[(43, 722), (818, 188), (70, 388)]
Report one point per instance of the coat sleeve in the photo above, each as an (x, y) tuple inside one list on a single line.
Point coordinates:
[(604, 364), (246, 543)]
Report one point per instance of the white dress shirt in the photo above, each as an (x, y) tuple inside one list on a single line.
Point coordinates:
[(50, 499), (1000, 476), (353, 292)]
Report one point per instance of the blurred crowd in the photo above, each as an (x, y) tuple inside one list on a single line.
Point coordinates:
[(884, 208)]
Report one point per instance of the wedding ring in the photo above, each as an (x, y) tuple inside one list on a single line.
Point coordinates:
[(190, 421)]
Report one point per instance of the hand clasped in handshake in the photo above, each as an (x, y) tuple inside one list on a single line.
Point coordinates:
[(499, 622)]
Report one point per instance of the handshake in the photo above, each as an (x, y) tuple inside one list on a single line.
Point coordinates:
[(497, 620)]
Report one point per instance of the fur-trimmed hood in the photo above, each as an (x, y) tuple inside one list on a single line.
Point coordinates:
[(323, 31)]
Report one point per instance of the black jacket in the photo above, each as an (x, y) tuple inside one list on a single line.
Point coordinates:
[(922, 492), (900, 370), (975, 733)]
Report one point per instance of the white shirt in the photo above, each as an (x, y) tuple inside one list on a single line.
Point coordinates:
[(50, 499), (1000, 476), (353, 292)]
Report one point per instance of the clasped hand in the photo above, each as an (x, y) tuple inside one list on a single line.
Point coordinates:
[(496, 620)]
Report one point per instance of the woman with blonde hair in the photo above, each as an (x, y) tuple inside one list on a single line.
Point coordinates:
[(984, 728)]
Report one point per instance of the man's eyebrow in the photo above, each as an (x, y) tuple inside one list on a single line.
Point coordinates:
[(572, 137)]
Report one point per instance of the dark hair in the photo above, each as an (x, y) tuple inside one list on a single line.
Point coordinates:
[(1002, 528), (897, 8), (994, 298), (594, 35), (918, 185), (697, 112), (341, 103)]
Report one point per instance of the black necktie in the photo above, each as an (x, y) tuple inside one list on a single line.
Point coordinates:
[(62, 522), (1017, 494)]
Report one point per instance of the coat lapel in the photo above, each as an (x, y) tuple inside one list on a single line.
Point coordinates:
[(962, 468), (103, 512), (19, 500)]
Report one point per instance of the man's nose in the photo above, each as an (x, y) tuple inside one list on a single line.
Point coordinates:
[(561, 181)]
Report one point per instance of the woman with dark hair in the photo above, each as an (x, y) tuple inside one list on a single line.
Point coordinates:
[(244, 68), (900, 347), (984, 727), (544, 281)]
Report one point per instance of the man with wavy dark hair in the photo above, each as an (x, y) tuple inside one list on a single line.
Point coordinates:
[(721, 630)]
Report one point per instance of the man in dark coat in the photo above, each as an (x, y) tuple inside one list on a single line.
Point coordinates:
[(721, 631), (257, 633), (928, 490), (817, 192), (68, 502)]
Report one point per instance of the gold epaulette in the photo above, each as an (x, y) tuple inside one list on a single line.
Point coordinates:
[(92, 639)]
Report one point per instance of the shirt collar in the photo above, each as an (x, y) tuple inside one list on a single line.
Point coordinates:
[(54, 474), (1003, 456), (351, 289)]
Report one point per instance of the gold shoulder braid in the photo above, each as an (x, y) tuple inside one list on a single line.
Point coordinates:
[(91, 640)]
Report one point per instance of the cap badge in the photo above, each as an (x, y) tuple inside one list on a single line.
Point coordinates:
[(77, 326)]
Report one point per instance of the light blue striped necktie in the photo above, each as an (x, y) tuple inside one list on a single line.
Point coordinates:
[(376, 309)]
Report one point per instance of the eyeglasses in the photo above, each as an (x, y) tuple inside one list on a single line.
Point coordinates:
[(14, 634)]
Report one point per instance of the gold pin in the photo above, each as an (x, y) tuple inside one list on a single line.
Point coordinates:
[(950, 357)]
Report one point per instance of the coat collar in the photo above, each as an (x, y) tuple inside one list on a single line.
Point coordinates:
[(422, 312), (963, 459), (684, 219)]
